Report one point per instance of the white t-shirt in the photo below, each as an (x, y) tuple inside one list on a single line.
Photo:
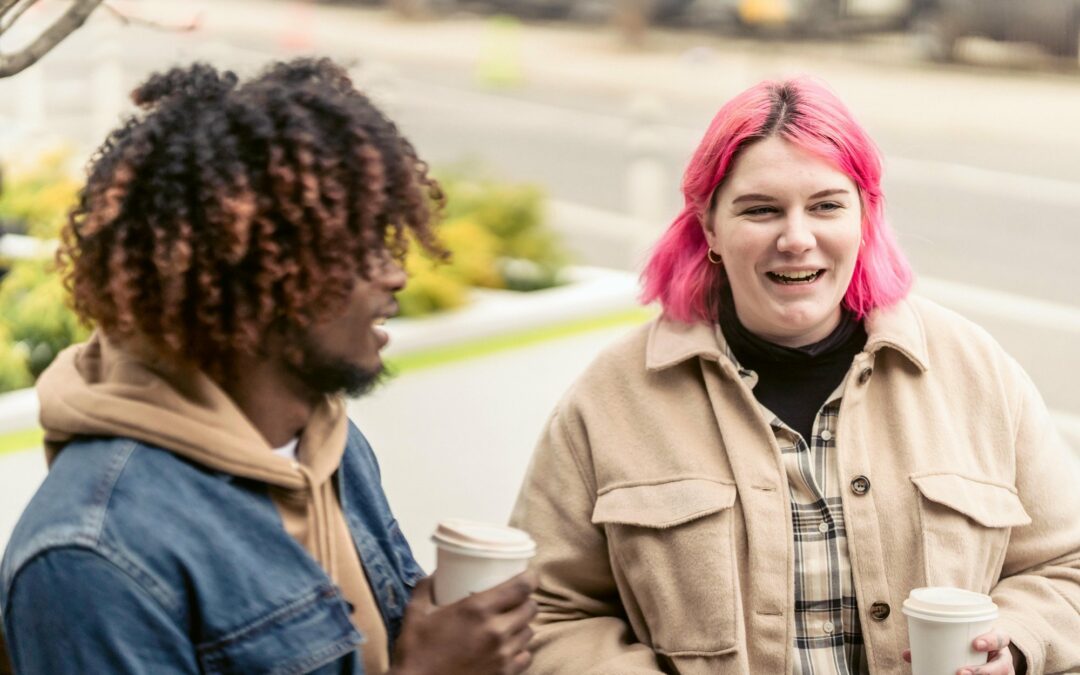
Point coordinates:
[(288, 451)]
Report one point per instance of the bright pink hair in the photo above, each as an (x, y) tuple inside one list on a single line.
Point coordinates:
[(807, 114)]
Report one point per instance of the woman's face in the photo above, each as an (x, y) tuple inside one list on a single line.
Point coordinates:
[(787, 225)]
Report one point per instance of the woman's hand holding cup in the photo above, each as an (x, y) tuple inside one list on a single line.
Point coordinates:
[(1003, 658)]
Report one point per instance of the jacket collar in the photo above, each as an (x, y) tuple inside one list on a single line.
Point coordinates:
[(897, 327)]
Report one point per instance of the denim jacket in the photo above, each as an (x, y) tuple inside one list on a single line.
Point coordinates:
[(130, 559)]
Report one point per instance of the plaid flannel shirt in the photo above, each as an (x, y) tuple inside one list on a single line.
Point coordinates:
[(828, 635)]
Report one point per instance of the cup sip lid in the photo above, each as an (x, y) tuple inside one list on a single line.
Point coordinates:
[(949, 605), (481, 539)]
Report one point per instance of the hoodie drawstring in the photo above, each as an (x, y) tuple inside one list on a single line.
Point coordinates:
[(319, 518)]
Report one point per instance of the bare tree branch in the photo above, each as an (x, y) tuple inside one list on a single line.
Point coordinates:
[(16, 12), (6, 5), (71, 20), (128, 20)]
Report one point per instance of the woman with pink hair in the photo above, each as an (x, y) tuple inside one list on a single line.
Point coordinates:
[(756, 480)]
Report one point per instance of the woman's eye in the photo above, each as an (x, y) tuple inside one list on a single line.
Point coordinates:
[(760, 211), (828, 206)]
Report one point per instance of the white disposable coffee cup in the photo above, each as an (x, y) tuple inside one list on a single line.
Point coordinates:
[(942, 625), (473, 557)]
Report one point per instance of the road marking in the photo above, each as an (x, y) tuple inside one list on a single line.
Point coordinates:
[(1046, 191), (1032, 312)]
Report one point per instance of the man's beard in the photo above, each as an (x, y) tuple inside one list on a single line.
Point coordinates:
[(323, 373)]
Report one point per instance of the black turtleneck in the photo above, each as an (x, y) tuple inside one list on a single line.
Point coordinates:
[(794, 382)]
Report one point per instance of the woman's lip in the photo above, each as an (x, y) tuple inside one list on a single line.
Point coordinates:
[(796, 270), (815, 274), (794, 289)]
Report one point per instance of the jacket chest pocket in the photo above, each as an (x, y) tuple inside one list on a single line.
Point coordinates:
[(300, 637), (965, 528), (672, 542)]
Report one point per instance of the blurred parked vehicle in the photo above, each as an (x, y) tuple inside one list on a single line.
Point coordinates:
[(828, 17), (1054, 25), (824, 17), (656, 10)]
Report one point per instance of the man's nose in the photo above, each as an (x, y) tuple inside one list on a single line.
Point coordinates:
[(392, 275)]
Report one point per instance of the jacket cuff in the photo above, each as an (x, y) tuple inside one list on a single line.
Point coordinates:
[(1027, 642)]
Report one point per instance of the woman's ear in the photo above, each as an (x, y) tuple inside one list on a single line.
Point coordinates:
[(706, 222)]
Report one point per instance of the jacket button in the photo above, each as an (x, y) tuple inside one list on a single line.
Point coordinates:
[(879, 611), (860, 485), (864, 376)]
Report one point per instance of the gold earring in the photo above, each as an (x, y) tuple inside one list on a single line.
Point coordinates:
[(713, 257)]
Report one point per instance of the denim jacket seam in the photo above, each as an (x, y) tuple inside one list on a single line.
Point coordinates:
[(325, 655), (103, 494), (385, 560), (115, 554), (147, 580), (128, 568), (88, 530), (264, 622)]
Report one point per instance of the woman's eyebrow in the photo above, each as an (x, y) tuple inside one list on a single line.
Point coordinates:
[(753, 197), (829, 193), (759, 197)]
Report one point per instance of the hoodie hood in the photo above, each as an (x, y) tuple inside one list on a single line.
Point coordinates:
[(100, 389)]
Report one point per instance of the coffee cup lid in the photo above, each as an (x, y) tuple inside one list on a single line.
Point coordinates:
[(949, 605), (467, 536)]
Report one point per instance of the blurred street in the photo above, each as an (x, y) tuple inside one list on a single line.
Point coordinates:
[(983, 182)]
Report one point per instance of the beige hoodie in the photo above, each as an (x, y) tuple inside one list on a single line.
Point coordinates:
[(99, 389)]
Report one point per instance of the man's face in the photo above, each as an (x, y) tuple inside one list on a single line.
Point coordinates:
[(342, 353)]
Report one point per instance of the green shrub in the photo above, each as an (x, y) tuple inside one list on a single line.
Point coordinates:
[(495, 233), (429, 290), (34, 313), (514, 213), (497, 238), (36, 198), (14, 373)]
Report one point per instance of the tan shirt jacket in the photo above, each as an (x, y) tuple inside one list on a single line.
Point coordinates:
[(658, 499)]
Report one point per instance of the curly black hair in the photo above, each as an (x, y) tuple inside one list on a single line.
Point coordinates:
[(223, 210)]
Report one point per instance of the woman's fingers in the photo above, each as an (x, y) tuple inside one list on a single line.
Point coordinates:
[(1000, 662), (993, 641)]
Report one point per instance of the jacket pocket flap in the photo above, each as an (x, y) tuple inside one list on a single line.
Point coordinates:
[(301, 636), (985, 503), (662, 505)]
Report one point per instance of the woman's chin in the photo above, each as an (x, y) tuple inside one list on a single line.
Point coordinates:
[(798, 326)]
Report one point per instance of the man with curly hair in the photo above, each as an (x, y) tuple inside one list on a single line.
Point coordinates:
[(209, 506)]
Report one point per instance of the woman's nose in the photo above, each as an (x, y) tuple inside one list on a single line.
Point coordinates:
[(796, 237)]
